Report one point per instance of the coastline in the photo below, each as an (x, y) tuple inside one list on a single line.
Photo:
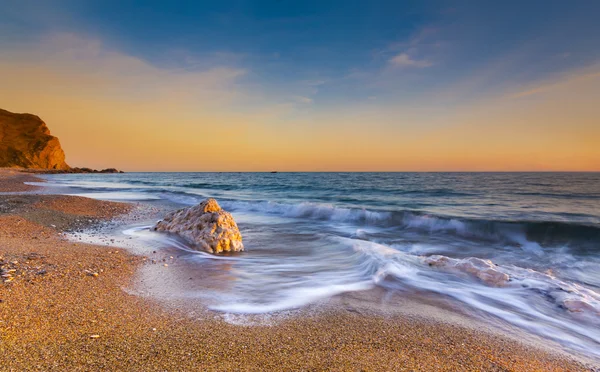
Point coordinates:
[(13, 180), (54, 307)]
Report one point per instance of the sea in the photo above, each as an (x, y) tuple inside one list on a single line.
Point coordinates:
[(521, 248)]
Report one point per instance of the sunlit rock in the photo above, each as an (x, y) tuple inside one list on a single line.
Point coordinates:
[(485, 270), (576, 305), (206, 225), (26, 142)]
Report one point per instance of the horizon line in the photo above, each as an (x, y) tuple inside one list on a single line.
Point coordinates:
[(390, 171)]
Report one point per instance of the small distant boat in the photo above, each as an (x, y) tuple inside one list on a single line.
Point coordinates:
[(274, 172)]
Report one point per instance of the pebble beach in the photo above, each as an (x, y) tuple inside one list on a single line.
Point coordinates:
[(64, 305)]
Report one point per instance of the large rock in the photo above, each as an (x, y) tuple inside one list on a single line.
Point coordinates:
[(206, 225), (25, 141)]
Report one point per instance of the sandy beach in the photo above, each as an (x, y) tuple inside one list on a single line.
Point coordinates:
[(64, 306)]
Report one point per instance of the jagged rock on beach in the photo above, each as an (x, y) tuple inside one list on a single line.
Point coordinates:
[(206, 225)]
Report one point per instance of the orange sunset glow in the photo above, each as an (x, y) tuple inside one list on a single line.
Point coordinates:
[(315, 185), (110, 107)]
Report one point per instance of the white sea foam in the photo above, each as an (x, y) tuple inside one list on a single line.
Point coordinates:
[(309, 210), (86, 184), (509, 233), (120, 196), (303, 253), (529, 299), (294, 298)]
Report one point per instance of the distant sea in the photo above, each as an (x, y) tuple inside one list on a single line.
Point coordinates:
[(309, 236)]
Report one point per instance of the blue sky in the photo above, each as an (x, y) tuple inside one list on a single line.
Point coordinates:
[(320, 61), (285, 42)]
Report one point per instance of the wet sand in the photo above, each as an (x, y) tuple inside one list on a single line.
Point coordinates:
[(63, 306), (12, 180)]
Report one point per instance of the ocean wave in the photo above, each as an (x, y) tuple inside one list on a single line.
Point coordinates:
[(540, 302), (118, 196), (530, 235), (212, 186), (584, 196), (293, 298), (310, 210), (569, 295)]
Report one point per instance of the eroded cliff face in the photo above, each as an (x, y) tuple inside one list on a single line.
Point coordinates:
[(25, 141)]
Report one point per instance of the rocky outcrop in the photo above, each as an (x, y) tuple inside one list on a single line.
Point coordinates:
[(72, 170), (485, 270), (25, 141), (205, 225)]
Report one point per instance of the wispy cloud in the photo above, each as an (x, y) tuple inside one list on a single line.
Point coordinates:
[(557, 83), (303, 99), (388, 64), (99, 100), (423, 37), (66, 62), (315, 82), (404, 60), (302, 92), (410, 52)]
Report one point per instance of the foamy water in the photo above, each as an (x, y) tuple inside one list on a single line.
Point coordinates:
[(521, 248)]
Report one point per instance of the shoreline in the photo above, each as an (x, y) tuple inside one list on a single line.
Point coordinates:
[(53, 309)]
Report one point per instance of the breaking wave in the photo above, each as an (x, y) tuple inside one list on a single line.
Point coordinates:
[(521, 233), (523, 248)]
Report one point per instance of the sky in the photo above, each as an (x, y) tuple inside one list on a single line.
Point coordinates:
[(309, 85)]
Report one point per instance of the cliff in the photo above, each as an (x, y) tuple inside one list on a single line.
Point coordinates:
[(25, 141)]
